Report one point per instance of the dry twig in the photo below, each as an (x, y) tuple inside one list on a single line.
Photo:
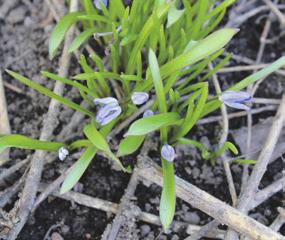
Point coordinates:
[(37, 162), (212, 206), (260, 167), (223, 139), (4, 120)]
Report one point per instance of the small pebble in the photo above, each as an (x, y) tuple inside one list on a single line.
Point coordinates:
[(56, 236), (145, 230), (192, 217), (175, 237)]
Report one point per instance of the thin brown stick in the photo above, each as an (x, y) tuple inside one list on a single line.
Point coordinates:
[(263, 160), (203, 231), (212, 206), (223, 139), (111, 207), (267, 192), (235, 115), (51, 188), (14, 168), (279, 221), (247, 68), (120, 218), (274, 8), (259, 169), (31, 185), (4, 120), (13, 88), (239, 20)]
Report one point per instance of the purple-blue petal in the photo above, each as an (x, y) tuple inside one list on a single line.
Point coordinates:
[(108, 113), (105, 101), (97, 4), (237, 105), (168, 153), (139, 98), (148, 113)]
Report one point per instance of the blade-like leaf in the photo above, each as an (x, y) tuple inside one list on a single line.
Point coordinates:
[(59, 31), (173, 15), (168, 199), (50, 93), (81, 38), (201, 49), (259, 75), (149, 124), (78, 169), (157, 82), (96, 138), (23, 142), (244, 161), (129, 145), (100, 143)]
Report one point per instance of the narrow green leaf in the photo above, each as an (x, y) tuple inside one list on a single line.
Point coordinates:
[(144, 126), (81, 38), (78, 169), (173, 15), (79, 144), (19, 141), (96, 137), (189, 122), (157, 82), (141, 39), (205, 152), (70, 82), (259, 75), (129, 145), (100, 143), (50, 93), (223, 148), (244, 161), (168, 199), (201, 49), (59, 31)]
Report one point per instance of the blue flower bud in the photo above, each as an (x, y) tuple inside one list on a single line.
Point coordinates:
[(105, 101), (139, 98), (97, 4), (62, 153), (236, 99), (108, 113), (148, 113), (168, 152)]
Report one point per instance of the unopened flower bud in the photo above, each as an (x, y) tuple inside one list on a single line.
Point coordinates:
[(236, 99), (148, 113), (105, 101), (139, 98), (97, 4), (168, 152), (63, 153), (108, 113)]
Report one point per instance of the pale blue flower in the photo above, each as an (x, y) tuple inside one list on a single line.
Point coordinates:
[(105, 101), (168, 152), (148, 113), (97, 4), (139, 98), (236, 99), (63, 153), (108, 113)]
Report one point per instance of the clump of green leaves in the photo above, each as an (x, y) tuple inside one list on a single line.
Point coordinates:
[(157, 47)]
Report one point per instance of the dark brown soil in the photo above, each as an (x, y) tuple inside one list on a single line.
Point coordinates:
[(24, 33)]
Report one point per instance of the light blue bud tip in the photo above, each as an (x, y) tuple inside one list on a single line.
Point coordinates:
[(168, 153), (139, 98)]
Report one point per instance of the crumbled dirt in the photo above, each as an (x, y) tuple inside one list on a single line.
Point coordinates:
[(24, 33)]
